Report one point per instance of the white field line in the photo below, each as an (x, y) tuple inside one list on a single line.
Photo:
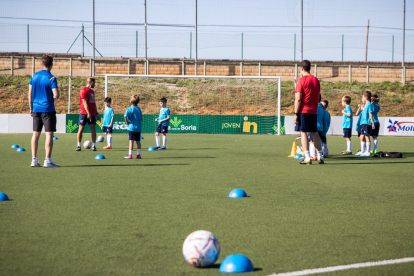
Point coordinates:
[(343, 267)]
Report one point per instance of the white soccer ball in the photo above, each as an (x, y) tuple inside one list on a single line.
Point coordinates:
[(87, 144), (201, 249), (101, 139)]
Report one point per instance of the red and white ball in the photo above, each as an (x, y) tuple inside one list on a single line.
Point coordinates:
[(201, 249)]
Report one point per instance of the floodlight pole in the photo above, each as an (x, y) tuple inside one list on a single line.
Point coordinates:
[(403, 53), (93, 37), (301, 30), (196, 38), (145, 37)]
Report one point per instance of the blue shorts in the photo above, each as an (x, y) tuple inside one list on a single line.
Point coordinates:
[(366, 130), (83, 119), (347, 132), (134, 136), (375, 132), (107, 130), (162, 129), (308, 122)]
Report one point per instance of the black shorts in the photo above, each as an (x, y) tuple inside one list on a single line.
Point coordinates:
[(162, 129), (308, 122), (47, 119), (107, 130), (366, 130), (375, 132), (83, 119), (323, 138), (347, 132), (134, 136)]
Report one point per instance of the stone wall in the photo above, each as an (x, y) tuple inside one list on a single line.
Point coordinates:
[(75, 65)]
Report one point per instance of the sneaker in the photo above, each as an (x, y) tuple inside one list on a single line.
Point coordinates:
[(128, 157), (107, 147), (93, 148), (320, 161), (156, 148), (35, 163), (365, 154), (374, 151), (138, 156), (347, 152), (306, 162), (78, 148), (163, 148), (358, 153), (50, 165)]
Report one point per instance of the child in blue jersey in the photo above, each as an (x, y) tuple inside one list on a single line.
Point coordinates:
[(374, 133), (326, 125), (367, 125), (319, 116), (133, 117), (347, 118), (163, 123), (108, 121)]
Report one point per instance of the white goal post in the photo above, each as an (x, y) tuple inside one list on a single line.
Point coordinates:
[(124, 78)]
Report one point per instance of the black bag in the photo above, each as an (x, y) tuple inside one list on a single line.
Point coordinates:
[(388, 154)]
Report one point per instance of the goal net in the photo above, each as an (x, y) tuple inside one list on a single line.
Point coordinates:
[(201, 104)]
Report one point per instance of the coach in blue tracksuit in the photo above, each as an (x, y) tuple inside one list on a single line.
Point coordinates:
[(43, 90)]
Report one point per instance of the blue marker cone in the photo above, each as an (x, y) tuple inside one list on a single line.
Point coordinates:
[(99, 157), (55, 138), (152, 149), (142, 138), (237, 193), (3, 197), (236, 264), (298, 156), (15, 146), (21, 149)]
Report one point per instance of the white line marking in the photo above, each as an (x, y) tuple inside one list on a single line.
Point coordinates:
[(343, 267)]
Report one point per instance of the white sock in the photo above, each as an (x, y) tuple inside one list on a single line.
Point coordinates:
[(93, 144), (307, 157), (312, 149), (349, 146), (157, 140), (375, 143), (109, 140), (130, 152), (138, 151), (320, 155), (325, 152), (164, 141), (362, 147), (78, 144), (368, 147)]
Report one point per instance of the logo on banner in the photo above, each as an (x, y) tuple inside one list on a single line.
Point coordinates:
[(70, 127), (248, 125), (230, 125), (178, 126), (400, 126)]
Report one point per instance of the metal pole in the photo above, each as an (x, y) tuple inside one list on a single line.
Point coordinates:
[(403, 54), (294, 47), (366, 43), (196, 34), (70, 88), (28, 38), (136, 44), (392, 48), (301, 30), (191, 44), (93, 38), (12, 66), (145, 37), (83, 41), (279, 113), (242, 46), (342, 47)]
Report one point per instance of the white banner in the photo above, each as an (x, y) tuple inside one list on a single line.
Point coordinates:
[(23, 123)]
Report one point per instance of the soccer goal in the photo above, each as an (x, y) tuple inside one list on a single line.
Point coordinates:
[(202, 104)]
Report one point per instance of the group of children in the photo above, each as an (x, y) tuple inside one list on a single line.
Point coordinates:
[(133, 118), (367, 125)]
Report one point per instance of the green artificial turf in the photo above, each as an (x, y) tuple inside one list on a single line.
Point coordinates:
[(130, 217)]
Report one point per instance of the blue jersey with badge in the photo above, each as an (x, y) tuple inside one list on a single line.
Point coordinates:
[(107, 116), (134, 115), (164, 113), (365, 119), (319, 116), (376, 109), (347, 121), (42, 84), (326, 122)]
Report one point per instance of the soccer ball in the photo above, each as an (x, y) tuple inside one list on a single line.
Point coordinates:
[(101, 139), (201, 249), (87, 145)]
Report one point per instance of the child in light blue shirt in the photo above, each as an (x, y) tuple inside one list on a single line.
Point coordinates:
[(347, 124), (133, 117)]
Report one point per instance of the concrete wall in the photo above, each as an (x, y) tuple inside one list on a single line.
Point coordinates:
[(65, 65)]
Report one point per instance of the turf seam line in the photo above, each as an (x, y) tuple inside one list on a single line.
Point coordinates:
[(344, 267)]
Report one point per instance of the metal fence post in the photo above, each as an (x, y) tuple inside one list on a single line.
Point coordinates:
[(342, 47), (296, 73), (70, 68), (136, 44), (241, 69), (392, 48), (182, 68), (205, 68), (367, 73), (350, 73), (12, 66), (260, 69), (33, 66), (241, 45), (294, 47), (316, 71), (70, 89), (90, 66), (403, 75), (191, 44), (28, 35), (129, 67)]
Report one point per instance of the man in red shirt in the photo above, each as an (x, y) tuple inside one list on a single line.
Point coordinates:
[(306, 108), (88, 113)]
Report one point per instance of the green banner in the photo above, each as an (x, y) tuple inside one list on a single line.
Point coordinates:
[(220, 124)]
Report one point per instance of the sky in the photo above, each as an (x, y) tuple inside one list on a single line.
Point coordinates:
[(227, 29)]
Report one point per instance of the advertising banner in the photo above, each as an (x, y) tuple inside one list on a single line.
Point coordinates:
[(398, 126)]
